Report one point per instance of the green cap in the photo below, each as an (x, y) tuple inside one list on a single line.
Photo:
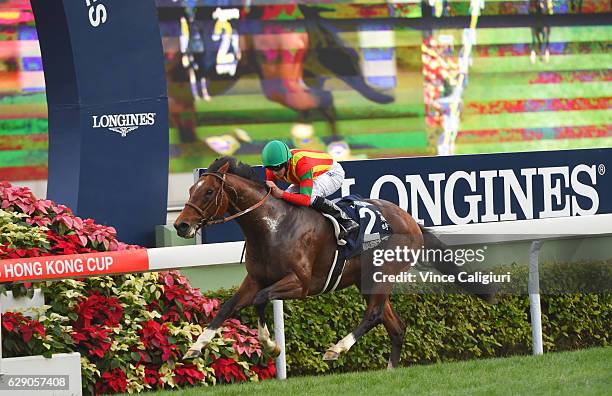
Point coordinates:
[(275, 153)]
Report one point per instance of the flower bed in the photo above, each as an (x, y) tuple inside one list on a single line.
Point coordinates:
[(131, 330)]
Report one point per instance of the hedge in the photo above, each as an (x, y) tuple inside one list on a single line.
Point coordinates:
[(452, 326)]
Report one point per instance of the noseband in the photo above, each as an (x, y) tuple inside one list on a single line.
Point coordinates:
[(211, 220)]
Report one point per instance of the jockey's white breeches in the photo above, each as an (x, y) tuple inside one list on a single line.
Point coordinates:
[(325, 184)]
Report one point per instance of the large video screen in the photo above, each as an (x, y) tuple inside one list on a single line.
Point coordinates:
[(365, 79)]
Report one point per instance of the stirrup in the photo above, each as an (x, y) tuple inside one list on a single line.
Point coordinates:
[(342, 234), (344, 231)]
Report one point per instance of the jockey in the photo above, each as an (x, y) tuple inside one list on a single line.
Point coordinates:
[(313, 175)]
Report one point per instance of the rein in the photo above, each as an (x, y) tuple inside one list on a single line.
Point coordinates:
[(212, 220)]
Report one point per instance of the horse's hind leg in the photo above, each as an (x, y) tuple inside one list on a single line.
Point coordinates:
[(373, 316), (267, 343), (396, 330)]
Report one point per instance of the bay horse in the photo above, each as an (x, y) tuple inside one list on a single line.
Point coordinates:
[(289, 252)]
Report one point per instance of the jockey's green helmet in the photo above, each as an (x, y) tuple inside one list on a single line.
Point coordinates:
[(275, 153)]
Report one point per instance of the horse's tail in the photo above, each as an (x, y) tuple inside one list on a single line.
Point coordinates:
[(485, 291)]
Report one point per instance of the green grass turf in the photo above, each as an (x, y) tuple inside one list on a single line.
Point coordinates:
[(253, 107), (282, 129), (502, 81), (25, 98), (23, 157), (557, 63), (585, 372), (532, 145), (387, 137), (479, 92), (543, 119), (23, 126), (557, 34)]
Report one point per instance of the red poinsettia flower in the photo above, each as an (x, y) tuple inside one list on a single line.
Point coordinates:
[(247, 342), (113, 381), (265, 372), (181, 302), (187, 374), (94, 341), (152, 376), (154, 336), (227, 370), (98, 310), (17, 323)]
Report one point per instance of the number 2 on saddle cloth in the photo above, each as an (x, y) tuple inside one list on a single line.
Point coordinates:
[(373, 231)]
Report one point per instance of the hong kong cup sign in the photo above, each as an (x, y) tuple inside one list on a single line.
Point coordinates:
[(489, 188), (76, 265)]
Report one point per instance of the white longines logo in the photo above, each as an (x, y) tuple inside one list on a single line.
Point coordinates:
[(124, 123), (495, 194)]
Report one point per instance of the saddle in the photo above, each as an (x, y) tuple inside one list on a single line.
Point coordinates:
[(373, 230)]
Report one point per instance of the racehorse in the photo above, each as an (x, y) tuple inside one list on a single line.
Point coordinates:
[(292, 59), (289, 252)]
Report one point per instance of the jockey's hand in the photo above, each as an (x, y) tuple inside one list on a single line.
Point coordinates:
[(275, 191)]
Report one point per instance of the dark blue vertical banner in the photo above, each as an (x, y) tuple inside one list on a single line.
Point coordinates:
[(108, 111)]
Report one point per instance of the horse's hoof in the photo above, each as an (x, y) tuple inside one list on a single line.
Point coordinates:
[(275, 352), (192, 354), (331, 355)]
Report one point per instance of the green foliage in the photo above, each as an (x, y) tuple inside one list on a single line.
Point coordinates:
[(15, 232), (446, 327)]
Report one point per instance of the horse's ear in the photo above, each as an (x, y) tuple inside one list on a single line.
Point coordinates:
[(224, 168)]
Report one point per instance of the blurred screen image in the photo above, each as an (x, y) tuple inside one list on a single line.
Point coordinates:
[(357, 79)]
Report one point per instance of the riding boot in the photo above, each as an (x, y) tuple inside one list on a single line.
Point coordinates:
[(347, 225)]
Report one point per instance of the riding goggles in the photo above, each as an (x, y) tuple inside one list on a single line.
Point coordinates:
[(276, 167)]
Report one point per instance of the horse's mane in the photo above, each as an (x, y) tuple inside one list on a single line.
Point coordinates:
[(236, 168)]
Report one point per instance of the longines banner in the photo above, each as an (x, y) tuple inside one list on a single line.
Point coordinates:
[(468, 189), (108, 111)]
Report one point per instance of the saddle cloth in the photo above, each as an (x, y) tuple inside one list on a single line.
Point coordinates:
[(373, 230)]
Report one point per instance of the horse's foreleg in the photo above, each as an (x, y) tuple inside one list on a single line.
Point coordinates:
[(266, 341), (546, 44), (289, 287), (534, 35), (373, 316), (243, 297)]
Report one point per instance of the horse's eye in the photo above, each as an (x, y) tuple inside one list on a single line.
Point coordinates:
[(209, 191)]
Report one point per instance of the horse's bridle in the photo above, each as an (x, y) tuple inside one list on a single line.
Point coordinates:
[(211, 220)]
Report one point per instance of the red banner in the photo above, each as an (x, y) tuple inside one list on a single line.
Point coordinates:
[(73, 266)]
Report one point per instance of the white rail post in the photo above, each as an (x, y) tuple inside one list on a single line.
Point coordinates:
[(534, 298), (279, 336)]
